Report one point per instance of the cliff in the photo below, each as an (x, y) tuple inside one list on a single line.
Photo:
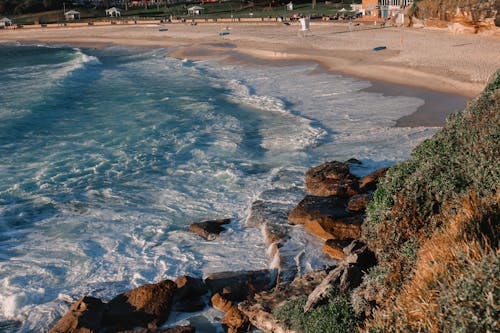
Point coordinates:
[(433, 225)]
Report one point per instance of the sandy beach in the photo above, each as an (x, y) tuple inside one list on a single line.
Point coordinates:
[(432, 59)]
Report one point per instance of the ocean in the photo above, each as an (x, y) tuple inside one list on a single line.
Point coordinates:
[(107, 155)]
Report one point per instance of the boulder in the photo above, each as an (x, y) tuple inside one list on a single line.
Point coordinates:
[(463, 28), (369, 183), (237, 286), (326, 217), (188, 294), (84, 316), (146, 306), (209, 229), (358, 202), (235, 320), (331, 178)]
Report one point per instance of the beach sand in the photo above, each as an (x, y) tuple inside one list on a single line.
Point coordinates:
[(416, 62)]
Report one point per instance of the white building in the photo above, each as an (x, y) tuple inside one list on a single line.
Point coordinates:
[(195, 10), (113, 11), (72, 15), (4, 22)]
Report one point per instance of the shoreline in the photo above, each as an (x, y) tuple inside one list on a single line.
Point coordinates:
[(330, 45)]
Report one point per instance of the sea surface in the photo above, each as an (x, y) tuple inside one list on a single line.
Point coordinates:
[(107, 155)]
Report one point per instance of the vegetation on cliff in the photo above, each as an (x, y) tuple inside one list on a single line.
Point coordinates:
[(433, 225)]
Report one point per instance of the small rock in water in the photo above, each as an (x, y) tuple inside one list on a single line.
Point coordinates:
[(354, 161), (209, 229)]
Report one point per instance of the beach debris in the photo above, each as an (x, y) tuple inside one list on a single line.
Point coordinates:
[(163, 29), (379, 48), (209, 229), (224, 33)]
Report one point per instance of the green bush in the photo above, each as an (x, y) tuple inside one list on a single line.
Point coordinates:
[(334, 316)]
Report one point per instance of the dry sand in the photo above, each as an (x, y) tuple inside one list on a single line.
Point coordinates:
[(430, 59)]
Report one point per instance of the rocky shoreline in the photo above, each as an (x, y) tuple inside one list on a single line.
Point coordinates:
[(333, 210)]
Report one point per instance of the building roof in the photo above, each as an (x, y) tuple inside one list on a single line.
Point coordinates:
[(71, 12), (195, 8), (5, 19), (113, 9)]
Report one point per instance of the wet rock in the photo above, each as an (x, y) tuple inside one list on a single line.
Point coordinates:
[(188, 294), (84, 316), (369, 183), (235, 320), (209, 229), (354, 161), (358, 202), (146, 306), (331, 178), (326, 217), (335, 248), (237, 286)]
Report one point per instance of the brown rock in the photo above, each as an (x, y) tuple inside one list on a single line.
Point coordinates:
[(237, 286), (358, 202), (84, 316), (369, 183), (331, 178), (188, 294), (236, 321), (209, 229), (335, 248), (146, 306), (326, 217), (221, 303)]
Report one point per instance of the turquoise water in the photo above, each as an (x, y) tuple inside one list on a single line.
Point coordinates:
[(106, 156)]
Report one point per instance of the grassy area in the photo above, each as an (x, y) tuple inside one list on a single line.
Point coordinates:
[(234, 9)]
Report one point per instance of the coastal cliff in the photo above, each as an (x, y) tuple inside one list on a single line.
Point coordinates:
[(433, 226)]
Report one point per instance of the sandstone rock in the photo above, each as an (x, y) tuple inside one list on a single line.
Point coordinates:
[(188, 294), (237, 286), (335, 248), (236, 321), (358, 202), (146, 306), (209, 229), (331, 178), (221, 303), (84, 316), (369, 183), (326, 217)]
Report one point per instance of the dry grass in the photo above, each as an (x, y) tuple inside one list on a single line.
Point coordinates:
[(468, 237)]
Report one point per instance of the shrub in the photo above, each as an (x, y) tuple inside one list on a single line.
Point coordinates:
[(334, 316)]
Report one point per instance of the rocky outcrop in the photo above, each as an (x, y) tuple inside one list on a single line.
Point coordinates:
[(326, 217), (358, 202), (209, 229), (369, 183), (175, 329), (84, 316), (146, 306), (188, 296), (331, 178), (237, 286), (335, 248)]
